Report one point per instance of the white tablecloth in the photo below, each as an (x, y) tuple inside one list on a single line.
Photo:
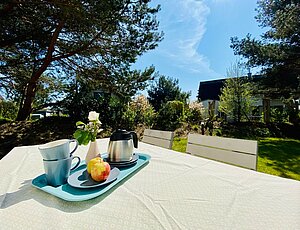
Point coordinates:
[(174, 191)]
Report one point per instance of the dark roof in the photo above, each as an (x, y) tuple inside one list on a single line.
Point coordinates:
[(210, 90)]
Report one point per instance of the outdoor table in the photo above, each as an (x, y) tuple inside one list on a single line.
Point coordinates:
[(174, 191)]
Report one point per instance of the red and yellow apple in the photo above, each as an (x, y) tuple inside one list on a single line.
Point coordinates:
[(100, 171), (93, 162)]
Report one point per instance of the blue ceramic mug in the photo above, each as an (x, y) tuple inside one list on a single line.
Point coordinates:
[(56, 150), (58, 171)]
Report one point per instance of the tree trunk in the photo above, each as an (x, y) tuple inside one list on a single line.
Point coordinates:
[(239, 111), (26, 104), (266, 109)]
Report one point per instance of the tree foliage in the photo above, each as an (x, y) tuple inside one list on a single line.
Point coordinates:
[(8, 109), (236, 100), (170, 116), (278, 51), (83, 97), (59, 38), (166, 89)]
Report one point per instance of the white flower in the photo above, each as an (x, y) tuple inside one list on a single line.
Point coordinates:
[(93, 116), (99, 122)]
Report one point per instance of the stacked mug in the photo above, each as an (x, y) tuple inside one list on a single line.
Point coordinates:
[(57, 159)]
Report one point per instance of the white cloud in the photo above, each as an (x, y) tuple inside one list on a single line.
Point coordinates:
[(183, 22)]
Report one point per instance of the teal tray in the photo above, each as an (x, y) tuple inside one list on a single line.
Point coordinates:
[(69, 193)]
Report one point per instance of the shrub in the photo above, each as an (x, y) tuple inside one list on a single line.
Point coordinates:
[(128, 119), (144, 111), (279, 115), (8, 110), (194, 113), (170, 116)]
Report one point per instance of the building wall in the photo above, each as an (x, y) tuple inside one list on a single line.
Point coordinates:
[(258, 103), (205, 104), (273, 102)]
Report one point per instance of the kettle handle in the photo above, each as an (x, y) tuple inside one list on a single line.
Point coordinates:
[(135, 139)]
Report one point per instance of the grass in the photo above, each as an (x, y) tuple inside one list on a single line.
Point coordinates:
[(179, 144), (280, 157), (276, 156)]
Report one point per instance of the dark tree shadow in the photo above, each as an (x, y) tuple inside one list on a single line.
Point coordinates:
[(284, 154)]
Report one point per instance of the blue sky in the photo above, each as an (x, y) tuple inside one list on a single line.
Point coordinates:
[(196, 45)]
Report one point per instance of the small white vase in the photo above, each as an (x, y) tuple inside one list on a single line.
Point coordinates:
[(92, 152)]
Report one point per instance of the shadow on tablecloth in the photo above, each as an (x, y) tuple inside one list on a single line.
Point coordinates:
[(27, 192)]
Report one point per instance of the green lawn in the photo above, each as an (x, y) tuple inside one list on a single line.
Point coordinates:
[(279, 157), (179, 144), (276, 156)]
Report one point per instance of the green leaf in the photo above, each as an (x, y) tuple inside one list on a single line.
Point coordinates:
[(77, 134), (86, 138), (79, 123), (82, 136)]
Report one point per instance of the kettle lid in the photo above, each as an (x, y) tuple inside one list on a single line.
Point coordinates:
[(121, 134)]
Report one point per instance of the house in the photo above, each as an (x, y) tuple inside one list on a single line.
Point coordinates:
[(209, 94)]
